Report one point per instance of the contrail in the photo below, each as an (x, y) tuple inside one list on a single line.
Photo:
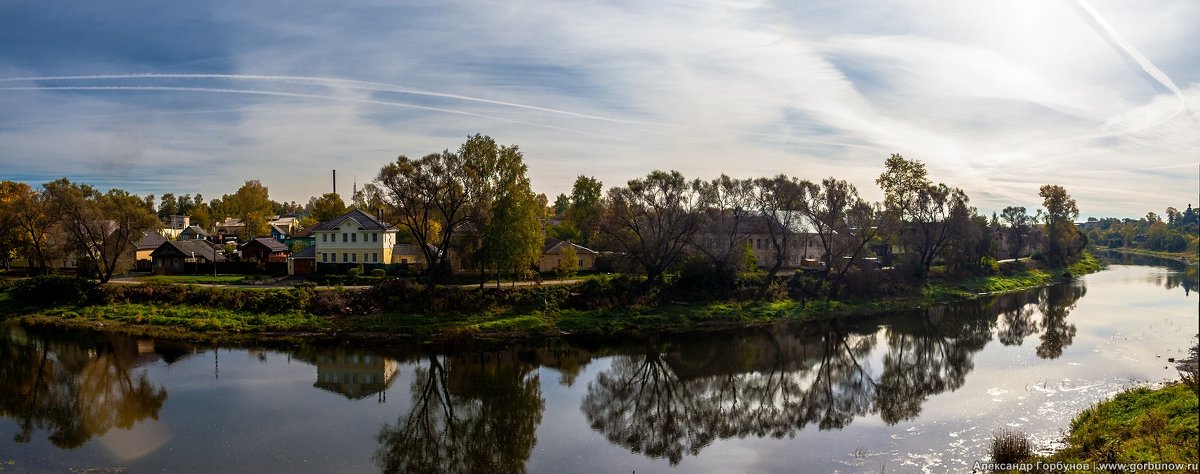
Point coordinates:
[(373, 86), (299, 95), (1147, 66), (332, 82)]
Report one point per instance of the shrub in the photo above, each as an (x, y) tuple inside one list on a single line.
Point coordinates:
[(378, 273), (1010, 446), (354, 272), (989, 265), (55, 289)]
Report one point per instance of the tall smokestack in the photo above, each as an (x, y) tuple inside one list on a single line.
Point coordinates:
[(334, 181)]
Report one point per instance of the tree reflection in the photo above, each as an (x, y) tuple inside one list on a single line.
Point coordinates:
[(927, 356), (75, 389), (673, 400), (1056, 303), (1016, 318), (470, 413)]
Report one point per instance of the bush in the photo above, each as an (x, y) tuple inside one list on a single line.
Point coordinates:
[(1010, 446), (354, 272), (378, 273), (55, 289)]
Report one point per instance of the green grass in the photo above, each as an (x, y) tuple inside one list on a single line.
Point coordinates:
[(180, 319), (193, 279), (1138, 425), (516, 321)]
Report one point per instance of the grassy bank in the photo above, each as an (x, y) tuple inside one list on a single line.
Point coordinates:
[(1143, 425), (403, 311)]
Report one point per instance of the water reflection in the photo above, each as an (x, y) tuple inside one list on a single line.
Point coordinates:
[(473, 412), (76, 388), (479, 410), (673, 399), (1185, 276)]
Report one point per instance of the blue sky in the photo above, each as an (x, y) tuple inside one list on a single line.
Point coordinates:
[(998, 98)]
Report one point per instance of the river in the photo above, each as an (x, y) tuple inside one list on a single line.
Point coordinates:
[(919, 391)]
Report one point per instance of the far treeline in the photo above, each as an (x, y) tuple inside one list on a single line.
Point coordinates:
[(1173, 232), (476, 205)]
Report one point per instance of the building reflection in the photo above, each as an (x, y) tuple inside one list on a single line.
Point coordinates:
[(355, 374)]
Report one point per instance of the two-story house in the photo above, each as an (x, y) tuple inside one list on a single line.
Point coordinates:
[(803, 250), (353, 238)]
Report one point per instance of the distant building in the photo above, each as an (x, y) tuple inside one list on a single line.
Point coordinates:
[(354, 237), (174, 256), (552, 251)]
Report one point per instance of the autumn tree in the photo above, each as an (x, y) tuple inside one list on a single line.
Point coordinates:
[(507, 215), (1064, 239), (568, 262), (326, 207), (29, 225), (651, 219), (430, 197), (252, 204), (104, 227)]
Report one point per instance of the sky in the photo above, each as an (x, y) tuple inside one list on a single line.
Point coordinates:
[(995, 97)]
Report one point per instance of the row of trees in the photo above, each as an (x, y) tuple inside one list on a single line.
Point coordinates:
[(1173, 231), (476, 205), (66, 220), (662, 219)]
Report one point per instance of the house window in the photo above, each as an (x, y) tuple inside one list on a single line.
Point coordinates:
[(375, 257), (354, 257), (404, 261), (324, 237), (345, 257), (324, 257), (374, 237), (345, 238), (354, 237)]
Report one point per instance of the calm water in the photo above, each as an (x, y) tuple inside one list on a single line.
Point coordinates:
[(904, 393)]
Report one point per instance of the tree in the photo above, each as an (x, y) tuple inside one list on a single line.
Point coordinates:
[(561, 203), (326, 207), (36, 232), (104, 227), (430, 197), (252, 204), (1019, 223), (728, 206), (507, 213), (585, 210), (844, 223), (902, 182), (568, 262), (1061, 211), (651, 219), (780, 201), (921, 210), (167, 206)]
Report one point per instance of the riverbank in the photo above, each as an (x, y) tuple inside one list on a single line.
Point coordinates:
[(401, 311), (1185, 257)]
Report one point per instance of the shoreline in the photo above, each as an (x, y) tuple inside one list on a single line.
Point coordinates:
[(513, 324)]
